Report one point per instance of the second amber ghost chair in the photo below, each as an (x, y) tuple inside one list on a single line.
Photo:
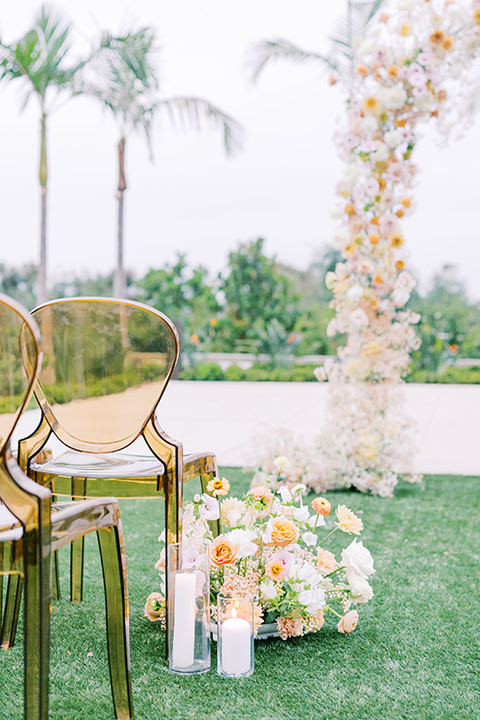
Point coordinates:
[(31, 528), (107, 364)]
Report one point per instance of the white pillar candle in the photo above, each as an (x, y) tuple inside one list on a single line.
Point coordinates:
[(236, 646), (184, 620)]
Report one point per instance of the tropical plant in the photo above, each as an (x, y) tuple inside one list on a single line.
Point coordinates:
[(350, 30), (124, 79), (184, 294), (255, 294), (38, 59)]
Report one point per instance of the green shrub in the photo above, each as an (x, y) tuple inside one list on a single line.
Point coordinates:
[(450, 376), (234, 373), (209, 371)]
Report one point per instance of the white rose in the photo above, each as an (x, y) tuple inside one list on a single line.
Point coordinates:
[(361, 591), (358, 318), (243, 540), (369, 125), (358, 559), (381, 152), (312, 600), (341, 238), (393, 138), (405, 281), (400, 297), (355, 293), (351, 174), (366, 47), (425, 103), (330, 280), (395, 97)]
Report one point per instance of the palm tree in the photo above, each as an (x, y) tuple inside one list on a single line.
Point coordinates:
[(350, 30), (38, 60), (125, 81)]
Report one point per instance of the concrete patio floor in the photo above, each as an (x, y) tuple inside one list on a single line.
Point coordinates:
[(226, 417)]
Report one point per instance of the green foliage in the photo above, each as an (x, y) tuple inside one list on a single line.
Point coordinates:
[(19, 283), (234, 373), (280, 345), (451, 376), (96, 286), (203, 371), (449, 326), (186, 296), (255, 293), (257, 373)]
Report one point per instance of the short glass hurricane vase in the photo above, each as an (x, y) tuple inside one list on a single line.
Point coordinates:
[(188, 568), (235, 628)]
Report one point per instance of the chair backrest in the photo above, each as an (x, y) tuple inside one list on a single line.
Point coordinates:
[(106, 365), (19, 339)]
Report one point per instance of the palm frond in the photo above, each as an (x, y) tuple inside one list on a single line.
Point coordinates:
[(263, 52), (38, 56), (351, 28), (135, 52), (192, 110)]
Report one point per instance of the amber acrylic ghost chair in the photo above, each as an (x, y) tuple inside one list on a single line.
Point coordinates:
[(31, 528), (107, 364)]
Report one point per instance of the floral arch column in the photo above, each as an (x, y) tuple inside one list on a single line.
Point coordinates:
[(412, 66)]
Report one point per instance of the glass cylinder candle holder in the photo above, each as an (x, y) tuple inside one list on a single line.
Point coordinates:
[(188, 608), (235, 630)]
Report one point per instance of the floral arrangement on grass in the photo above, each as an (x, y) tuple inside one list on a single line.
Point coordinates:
[(269, 547)]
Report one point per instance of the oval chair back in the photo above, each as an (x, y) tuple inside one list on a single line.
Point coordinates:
[(106, 365), (20, 362)]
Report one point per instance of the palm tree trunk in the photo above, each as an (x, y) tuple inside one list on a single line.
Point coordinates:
[(42, 295), (119, 284)]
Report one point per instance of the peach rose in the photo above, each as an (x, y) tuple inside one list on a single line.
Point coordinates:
[(155, 606), (259, 492), (326, 562), (348, 622), (321, 506), (222, 552), (284, 532)]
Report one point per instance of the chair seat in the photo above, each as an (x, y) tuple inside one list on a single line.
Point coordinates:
[(10, 528), (87, 465)]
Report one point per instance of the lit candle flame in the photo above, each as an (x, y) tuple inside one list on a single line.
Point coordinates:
[(235, 608)]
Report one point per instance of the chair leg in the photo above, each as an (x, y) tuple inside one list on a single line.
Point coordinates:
[(112, 553), (37, 627), (12, 609), (77, 548), (56, 576), (1, 582), (56, 559)]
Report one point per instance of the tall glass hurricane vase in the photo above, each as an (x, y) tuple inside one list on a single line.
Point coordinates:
[(189, 608)]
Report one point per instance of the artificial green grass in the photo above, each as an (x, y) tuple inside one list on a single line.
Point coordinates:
[(413, 656)]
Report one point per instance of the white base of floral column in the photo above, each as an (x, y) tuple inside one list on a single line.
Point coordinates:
[(264, 631)]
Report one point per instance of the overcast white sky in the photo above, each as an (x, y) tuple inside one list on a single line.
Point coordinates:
[(193, 198)]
